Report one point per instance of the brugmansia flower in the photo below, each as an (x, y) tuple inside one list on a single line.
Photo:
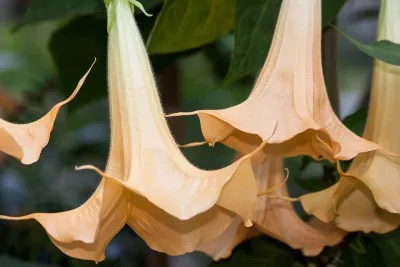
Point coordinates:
[(290, 95), (26, 141), (276, 218), (148, 184), (366, 198)]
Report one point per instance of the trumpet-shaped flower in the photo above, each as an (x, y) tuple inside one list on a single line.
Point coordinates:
[(26, 141), (367, 196), (275, 217), (290, 95), (148, 184)]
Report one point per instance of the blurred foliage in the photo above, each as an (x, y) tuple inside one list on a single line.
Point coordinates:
[(54, 44), (25, 62), (260, 252), (10, 262)]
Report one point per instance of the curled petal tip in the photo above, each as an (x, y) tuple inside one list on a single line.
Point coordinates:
[(248, 223)]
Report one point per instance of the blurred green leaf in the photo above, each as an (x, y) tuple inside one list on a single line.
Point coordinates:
[(25, 62), (362, 252), (259, 252), (384, 50), (356, 121), (74, 48), (389, 247), (186, 24), (39, 11), (44, 10), (330, 10), (255, 22), (6, 261)]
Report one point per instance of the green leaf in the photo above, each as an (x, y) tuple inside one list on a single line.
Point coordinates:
[(259, 252), (389, 247), (356, 121), (384, 50), (362, 252), (187, 24), (255, 22), (74, 48), (330, 10), (44, 10), (11, 262)]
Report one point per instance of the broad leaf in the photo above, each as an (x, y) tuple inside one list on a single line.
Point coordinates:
[(255, 22), (384, 50), (187, 24), (259, 252)]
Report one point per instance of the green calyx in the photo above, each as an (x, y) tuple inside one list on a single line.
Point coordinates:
[(111, 9)]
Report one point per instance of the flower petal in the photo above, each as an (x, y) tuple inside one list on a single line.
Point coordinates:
[(290, 93), (277, 218), (222, 246), (85, 232), (351, 206), (165, 233), (189, 194), (26, 141), (152, 164)]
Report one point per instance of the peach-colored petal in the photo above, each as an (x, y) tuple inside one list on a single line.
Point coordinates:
[(165, 233), (351, 206), (290, 93), (366, 198), (152, 163), (26, 141), (276, 218), (85, 232), (222, 246)]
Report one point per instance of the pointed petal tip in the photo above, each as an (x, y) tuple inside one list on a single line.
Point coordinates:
[(26, 141)]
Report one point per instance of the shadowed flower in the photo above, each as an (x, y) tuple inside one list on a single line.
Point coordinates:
[(26, 141), (148, 183), (275, 217), (290, 95), (366, 198)]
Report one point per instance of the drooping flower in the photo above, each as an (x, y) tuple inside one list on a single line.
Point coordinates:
[(366, 198), (276, 218), (148, 184), (26, 141), (290, 95)]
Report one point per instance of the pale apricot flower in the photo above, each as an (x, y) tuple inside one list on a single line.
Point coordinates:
[(26, 141), (367, 197), (274, 216), (148, 183), (290, 95)]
